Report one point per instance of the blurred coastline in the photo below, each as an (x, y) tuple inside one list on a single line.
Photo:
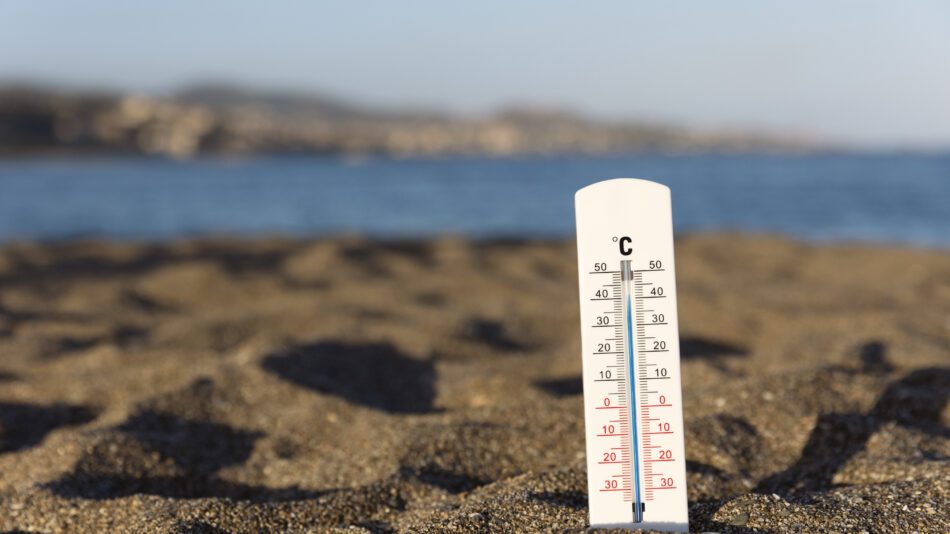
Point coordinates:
[(220, 159), (222, 119)]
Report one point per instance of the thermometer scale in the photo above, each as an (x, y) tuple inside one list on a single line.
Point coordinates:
[(636, 466)]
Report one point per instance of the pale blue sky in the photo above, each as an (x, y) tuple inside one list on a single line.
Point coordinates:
[(869, 72)]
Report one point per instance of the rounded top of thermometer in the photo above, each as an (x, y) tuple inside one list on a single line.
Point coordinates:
[(607, 183)]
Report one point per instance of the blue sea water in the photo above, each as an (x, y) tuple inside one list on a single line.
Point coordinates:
[(872, 198)]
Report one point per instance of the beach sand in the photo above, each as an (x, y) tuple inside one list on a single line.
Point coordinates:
[(348, 385)]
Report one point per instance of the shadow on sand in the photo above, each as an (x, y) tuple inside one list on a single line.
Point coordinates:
[(25, 425), (376, 375)]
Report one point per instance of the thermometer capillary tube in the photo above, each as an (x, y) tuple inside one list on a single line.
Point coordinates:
[(626, 277)]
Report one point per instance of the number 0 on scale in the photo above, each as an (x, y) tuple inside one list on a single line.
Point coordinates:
[(636, 466)]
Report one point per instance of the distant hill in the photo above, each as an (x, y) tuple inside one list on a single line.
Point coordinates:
[(223, 119), (228, 98)]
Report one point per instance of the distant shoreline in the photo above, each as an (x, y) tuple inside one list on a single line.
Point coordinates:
[(215, 120)]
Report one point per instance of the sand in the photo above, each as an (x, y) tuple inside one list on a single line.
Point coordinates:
[(346, 385)]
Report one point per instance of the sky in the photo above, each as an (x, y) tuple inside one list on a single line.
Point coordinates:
[(870, 73)]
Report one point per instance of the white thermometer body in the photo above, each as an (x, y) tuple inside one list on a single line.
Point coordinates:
[(636, 464)]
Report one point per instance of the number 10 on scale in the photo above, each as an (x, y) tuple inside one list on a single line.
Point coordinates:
[(636, 466)]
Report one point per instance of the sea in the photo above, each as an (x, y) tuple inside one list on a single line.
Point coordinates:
[(894, 199)]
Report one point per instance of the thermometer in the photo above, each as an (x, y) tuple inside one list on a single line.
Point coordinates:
[(636, 466)]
